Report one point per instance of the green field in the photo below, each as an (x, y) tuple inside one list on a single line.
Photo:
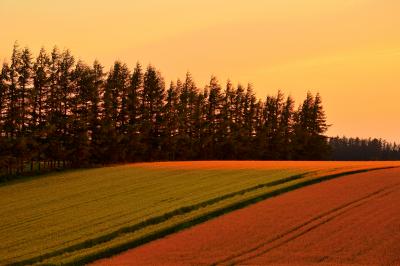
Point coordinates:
[(78, 216)]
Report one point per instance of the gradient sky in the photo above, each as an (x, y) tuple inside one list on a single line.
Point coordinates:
[(348, 50)]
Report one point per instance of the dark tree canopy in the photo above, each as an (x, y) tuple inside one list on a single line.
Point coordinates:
[(58, 112), (356, 149)]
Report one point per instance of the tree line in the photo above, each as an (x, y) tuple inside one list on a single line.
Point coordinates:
[(58, 112), (356, 149)]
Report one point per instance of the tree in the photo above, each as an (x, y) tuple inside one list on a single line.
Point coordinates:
[(5, 149), (319, 148), (12, 114), (53, 130), (213, 118), (152, 107), (238, 131), (199, 125), (15, 113), (356, 149), (135, 92), (285, 145), (63, 91), (171, 122), (226, 150), (59, 113), (310, 125), (115, 114), (25, 83), (251, 126), (271, 115), (39, 108), (94, 127), (4, 90), (186, 107), (81, 117)]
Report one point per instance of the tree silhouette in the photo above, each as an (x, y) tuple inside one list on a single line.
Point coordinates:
[(348, 149), (56, 112)]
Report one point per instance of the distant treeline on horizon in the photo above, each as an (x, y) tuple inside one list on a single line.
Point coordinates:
[(356, 149), (56, 112)]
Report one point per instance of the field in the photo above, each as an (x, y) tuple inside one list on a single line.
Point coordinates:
[(82, 215), (353, 220)]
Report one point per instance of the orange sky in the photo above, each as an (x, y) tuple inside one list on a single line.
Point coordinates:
[(348, 50)]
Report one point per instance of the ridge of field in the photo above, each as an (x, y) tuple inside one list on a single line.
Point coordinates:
[(66, 217)]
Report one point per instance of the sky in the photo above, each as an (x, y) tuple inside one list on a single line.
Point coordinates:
[(347, 50)]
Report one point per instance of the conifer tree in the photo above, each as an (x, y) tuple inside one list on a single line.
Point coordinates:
[(187, 100), (14, 114), (285, 144), (318, 144), (251, 126), (226, 150), (310, 125), (53, 129), (80, 106), (115, 116), (94, 127), (65, 90), (132, 138), (5, 149), (171, 122), (39, 109), (238, 131), (58, 113), (25, 83), (12, 119), (213, 119), (134, 94), (4, 88), (199, 120), (153, 101)]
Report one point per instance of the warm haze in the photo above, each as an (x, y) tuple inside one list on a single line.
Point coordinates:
[(348, 50)]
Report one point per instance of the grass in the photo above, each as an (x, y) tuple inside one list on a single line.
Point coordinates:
[(76, 217)]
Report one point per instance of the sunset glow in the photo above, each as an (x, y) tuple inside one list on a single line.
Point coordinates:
[(348, 50)]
